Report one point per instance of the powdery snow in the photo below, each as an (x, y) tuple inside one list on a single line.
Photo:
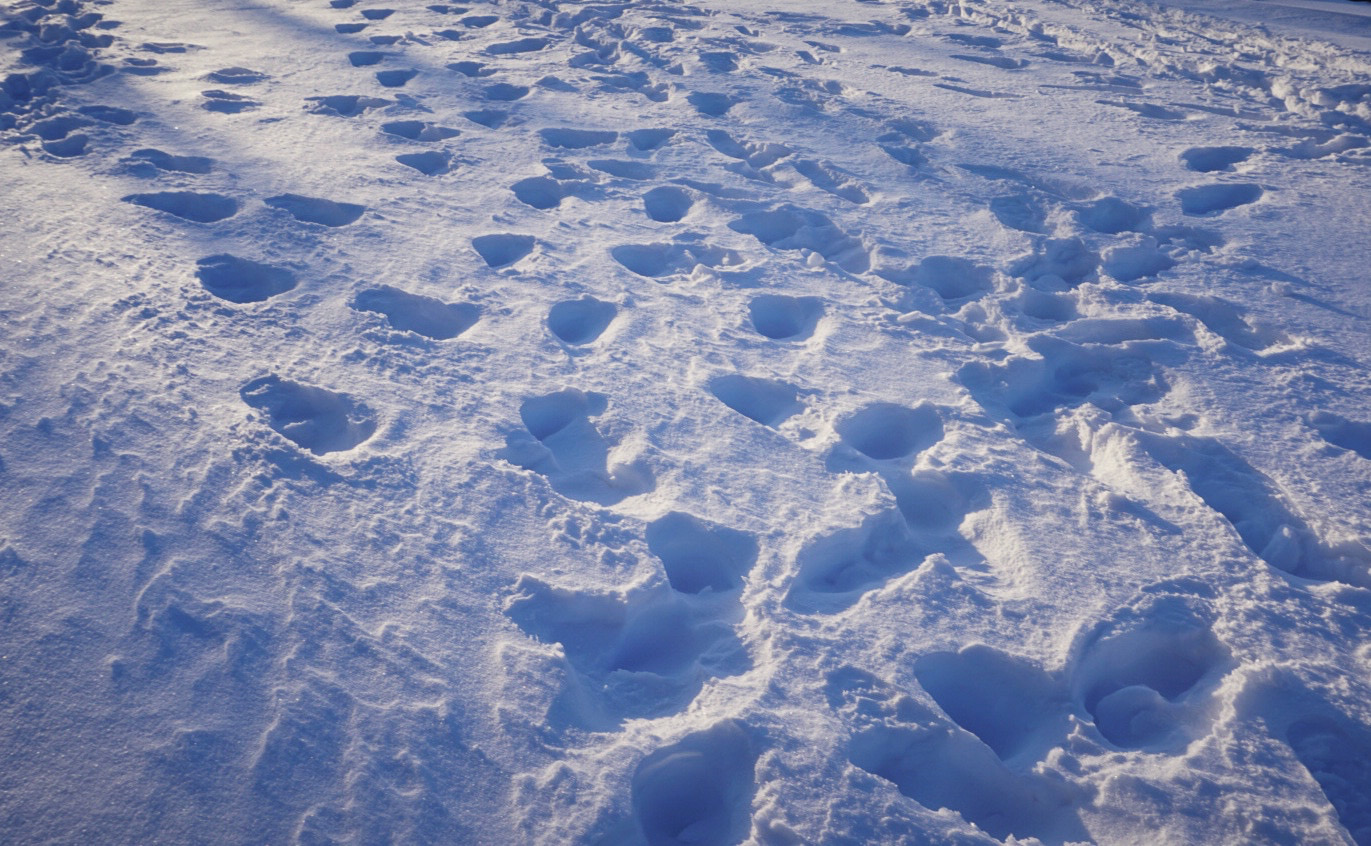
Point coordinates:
[(820, 421)]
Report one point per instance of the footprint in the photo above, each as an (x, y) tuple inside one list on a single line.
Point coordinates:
[(580, 321), (1147, 110), (366, 58), (657, 260), (757, 155), (700, 556), (1209, 200), (1139, 259), (577, 139), (505, 92), (698, 790), (792, 228), (395, 78), (478, 21), (1020, 211), (520, 45), (1057, 264), (832, 179), (421, 315), (317, 419), (188, 205), (951, 278), (471, 69), (377, 14), (1133, 676), (67, 148), (1352, 435), (316, 210), (1013, 706), (650, 139), (667, 204), (638, 171), (835, 569), (1212, 159), (569, 451), (236, 76), (719, 61), (417, 130), (1224, 319), (349, 28), (429, 163), (489, 118), (226, 102), (886, 432), (942, 766), (345, 105), (783, 318), (540, 192), (764, 401), (1337, 753), (502, 249), (167, 161), (1251, 504), (711, 104), (1001, 62), (1110, 216), (240, 280), (57, 128), (638, 653)]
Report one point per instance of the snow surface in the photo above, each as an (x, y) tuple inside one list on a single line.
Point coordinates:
[(819, 421)]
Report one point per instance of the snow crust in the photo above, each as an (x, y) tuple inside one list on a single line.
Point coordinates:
[(663, 422)]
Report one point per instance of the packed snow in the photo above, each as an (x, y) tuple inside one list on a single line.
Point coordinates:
[(685, 421)]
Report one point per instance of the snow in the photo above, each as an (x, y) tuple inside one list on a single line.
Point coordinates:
[(830, 421)]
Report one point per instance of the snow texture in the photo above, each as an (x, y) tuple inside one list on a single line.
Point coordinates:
[(685, 422)]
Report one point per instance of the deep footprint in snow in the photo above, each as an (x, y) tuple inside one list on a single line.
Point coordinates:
[(430, 163), (167, 161), (188, 205), (783, 318), (884, 431), (580, 321), (417, 130), (942, 766), (577, 139), (1206, 200), (698, 790), (236, 76), (649, 139), (950, 277), (540, 192), (502, 249), (421, 315), (505, 92), (561, 443), (667, 204), (1135, 676), (700, 556), (711, 104), (226, 102), (639, 653), (316, 210), (1252, 504), (792, 228), (764, 401), (240, 280), (1013, 706), (365, 58), (1352, 435), (345, 105), (1212, 159), (395, 78), (317, 419)]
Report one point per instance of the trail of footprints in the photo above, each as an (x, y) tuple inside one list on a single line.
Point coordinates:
[(1143, 678)]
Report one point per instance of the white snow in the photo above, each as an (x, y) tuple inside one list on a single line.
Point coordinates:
[(819, 421)]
